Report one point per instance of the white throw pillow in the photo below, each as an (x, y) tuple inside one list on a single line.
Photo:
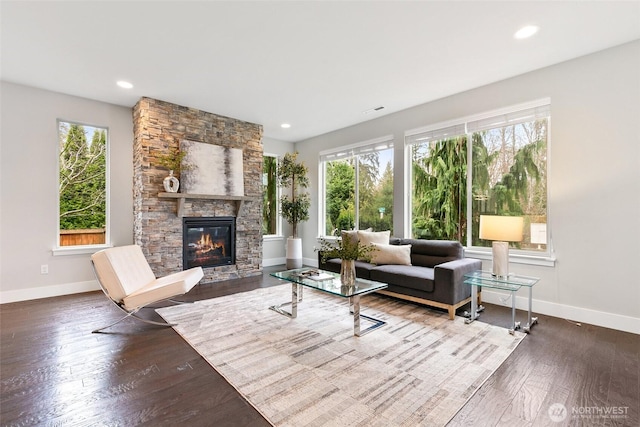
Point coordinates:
[(391, 254), (369, 237)]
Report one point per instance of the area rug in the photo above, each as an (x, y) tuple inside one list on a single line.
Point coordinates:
[(417, 370)]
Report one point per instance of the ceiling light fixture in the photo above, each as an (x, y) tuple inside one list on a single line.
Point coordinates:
[(124, 85), (373, 110), (285, 126), (526, 32)]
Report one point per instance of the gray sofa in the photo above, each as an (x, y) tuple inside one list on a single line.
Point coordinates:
[(435, 276)]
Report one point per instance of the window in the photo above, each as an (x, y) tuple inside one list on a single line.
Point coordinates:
[(494, 164), (270, 217), (82, 185), (358, 187)]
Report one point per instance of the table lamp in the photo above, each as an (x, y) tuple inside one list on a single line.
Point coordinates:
[(501, 230)]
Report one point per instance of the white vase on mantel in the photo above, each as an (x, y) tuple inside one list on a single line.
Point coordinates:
[(171, 183), (294, 253)]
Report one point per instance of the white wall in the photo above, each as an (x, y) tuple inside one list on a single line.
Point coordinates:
[(273, 248), (594, 179), (28, 189)]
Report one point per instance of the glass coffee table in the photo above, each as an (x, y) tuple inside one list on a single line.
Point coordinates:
[(299, 278), (511, 283)]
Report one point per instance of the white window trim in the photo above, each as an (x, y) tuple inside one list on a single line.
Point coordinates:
[(84, 249)]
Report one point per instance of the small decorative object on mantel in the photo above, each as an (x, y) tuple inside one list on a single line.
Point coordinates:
[(171, 183), (172, 162), (348, 250)]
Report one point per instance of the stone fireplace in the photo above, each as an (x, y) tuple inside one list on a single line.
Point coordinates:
[(159, 217)]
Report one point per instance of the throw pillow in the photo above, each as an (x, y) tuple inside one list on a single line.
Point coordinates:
[(351, 235), (369, 237), (391, 254)]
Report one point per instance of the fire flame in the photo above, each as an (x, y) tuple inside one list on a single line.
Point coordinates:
[(205, 245)]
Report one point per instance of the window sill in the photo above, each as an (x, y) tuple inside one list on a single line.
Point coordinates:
[(544, 260), (272, 238), (79, 250)]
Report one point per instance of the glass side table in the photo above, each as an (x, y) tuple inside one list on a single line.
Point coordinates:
[(511, 283)]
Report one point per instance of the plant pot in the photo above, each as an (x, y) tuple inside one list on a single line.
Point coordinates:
[(294, 253), (348, 272)]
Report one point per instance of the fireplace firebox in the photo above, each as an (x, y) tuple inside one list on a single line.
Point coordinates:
[(208, 241)]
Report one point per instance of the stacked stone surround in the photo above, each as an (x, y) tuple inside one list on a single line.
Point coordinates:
[(159, 127)]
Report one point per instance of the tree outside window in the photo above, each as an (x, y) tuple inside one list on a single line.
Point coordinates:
[(508, 161), (82, 184), (270, 220), (358, 192)]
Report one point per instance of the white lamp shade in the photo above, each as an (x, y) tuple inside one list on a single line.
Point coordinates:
[(501, 228)]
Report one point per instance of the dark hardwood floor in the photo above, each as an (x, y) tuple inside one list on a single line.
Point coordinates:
[(54, 371)]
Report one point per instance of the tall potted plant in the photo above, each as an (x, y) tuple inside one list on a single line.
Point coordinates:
[(294, 207)]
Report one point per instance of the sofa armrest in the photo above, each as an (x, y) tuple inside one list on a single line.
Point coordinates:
[(449, 276)]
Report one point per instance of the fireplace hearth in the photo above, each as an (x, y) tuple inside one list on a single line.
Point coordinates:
[(208, 241)]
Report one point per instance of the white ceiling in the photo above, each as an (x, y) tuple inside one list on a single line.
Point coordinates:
[(317, 65)]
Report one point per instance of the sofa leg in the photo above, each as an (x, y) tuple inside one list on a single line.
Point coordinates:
[(452, 312)]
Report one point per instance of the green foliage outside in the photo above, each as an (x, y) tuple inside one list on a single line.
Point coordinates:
[(375, 194), (508, 178), (269, 194), (82, 180)]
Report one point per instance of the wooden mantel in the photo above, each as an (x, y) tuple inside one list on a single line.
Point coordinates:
[(182, 196)]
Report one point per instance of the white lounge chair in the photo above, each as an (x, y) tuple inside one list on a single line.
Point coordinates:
[(127, 279)]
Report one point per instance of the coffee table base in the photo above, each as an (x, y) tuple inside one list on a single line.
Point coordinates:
[(354, 308)]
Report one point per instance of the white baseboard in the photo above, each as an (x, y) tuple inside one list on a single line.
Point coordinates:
[(562, 311), (48, 291), (270, 262)]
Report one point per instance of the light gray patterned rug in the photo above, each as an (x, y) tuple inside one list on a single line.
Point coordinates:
[(417, 370)]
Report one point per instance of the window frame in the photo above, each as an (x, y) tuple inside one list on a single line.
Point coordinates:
[(342, 153), (545, 258), (84, 249), (278, 235)]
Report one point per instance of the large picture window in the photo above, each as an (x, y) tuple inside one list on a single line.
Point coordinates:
[(495, 164), (358, 187), (82, 185)]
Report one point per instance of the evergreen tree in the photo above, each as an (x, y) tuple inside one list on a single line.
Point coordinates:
[(82, 179)]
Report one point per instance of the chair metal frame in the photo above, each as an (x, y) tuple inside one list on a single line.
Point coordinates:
[(132, 313)]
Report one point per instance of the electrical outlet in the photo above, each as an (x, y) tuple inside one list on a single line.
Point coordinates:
[(44, 269)]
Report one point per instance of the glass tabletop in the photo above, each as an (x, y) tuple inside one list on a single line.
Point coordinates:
[(332, 285), (488, 280)]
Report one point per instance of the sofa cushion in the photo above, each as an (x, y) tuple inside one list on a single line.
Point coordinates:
[(429, 253), (391, 254), (408, 276)]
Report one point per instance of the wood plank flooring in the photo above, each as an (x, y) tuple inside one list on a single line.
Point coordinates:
[(54, 371)]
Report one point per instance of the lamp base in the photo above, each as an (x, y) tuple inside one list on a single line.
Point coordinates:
[(500, 252)]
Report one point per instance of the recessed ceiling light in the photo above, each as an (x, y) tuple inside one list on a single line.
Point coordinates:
[(526, 32), (373, 110), (123, 84), (285, 126)]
